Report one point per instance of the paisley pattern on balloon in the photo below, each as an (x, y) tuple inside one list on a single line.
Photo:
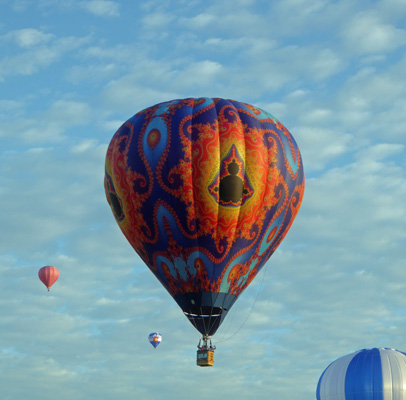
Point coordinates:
[(204, 190)]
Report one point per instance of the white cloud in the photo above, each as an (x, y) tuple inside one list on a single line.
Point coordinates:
[(10, 107), (84, 146), (49, 126), (20, 5), (380, 152), (42, 55), (69, 113), (47, 204), (320, 147), (393, 10), (199, 74), (290, 22), (100, 63), (202, 20), (102, 8), (29, 37), (124, 96), (372, 100), (365, 33), (157, 21), (357, 205)]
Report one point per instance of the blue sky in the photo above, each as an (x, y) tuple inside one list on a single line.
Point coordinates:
[(333, 72)]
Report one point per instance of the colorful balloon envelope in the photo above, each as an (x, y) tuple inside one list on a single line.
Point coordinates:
[(204, 190), (368, 374), (155, 338), (48, 275)]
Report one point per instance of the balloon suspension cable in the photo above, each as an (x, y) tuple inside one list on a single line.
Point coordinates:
[(252, 307), (207, 328), (204, 322), (211, 323), (192, 319), (207, 343)]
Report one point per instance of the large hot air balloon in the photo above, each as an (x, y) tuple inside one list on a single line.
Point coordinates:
[(48, 275), (155, 338), (204, 190), (368, 374)]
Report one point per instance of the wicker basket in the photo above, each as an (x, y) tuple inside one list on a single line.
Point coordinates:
[(205, 358)]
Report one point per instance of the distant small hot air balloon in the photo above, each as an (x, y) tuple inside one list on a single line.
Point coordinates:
[(368, 374), (155, 338), (48, 275)]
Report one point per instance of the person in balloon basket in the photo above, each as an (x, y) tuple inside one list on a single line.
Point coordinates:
[(205, 346)]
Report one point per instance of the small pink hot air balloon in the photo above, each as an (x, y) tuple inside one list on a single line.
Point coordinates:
[(48, 275)]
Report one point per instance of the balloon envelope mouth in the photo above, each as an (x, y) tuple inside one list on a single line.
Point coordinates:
[(206, 310), (208, 321)]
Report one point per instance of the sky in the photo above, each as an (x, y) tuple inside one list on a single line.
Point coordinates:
[(71, 72)]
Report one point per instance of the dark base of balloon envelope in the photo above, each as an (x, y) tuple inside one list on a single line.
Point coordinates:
[(205, 310)]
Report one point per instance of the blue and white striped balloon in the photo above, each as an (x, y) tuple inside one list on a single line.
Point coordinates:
[(368, 374)]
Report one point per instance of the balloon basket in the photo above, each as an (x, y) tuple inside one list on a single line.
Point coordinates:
[(205, 358), (205, 352)]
